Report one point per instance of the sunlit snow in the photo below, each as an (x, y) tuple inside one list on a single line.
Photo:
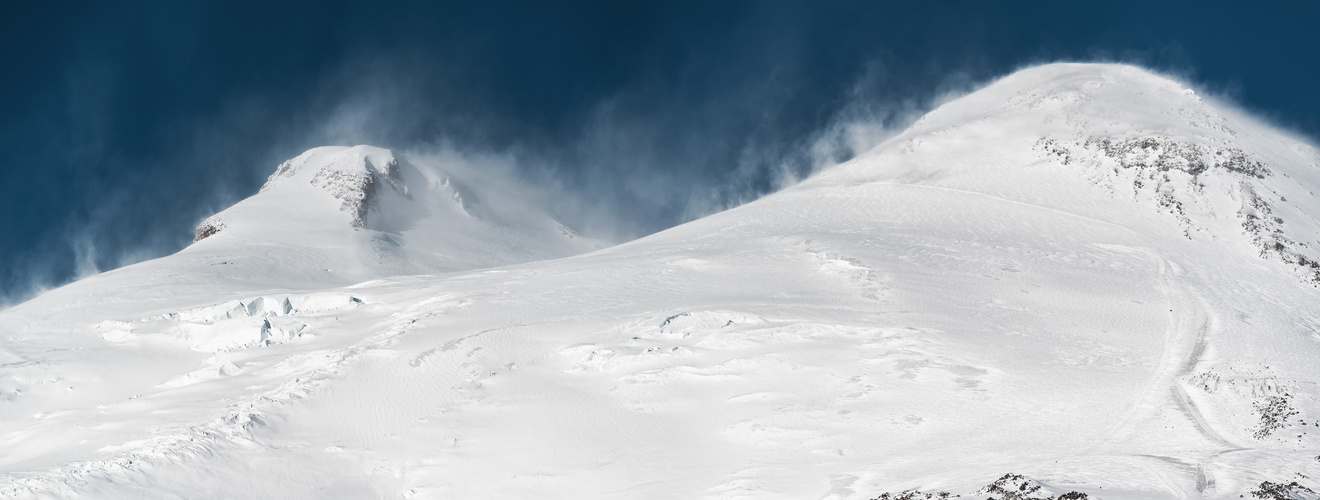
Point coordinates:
[(1087, 275)]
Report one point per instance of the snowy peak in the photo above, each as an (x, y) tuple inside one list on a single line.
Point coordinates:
[(357, 176), (1140, 137), (355, 161), (366, 212), (371, 186), (1103, 99), (352, 176)]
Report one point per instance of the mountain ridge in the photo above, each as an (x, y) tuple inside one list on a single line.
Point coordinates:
[(959, 304)]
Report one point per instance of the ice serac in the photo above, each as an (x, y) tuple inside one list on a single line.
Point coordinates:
[(1080, 280)]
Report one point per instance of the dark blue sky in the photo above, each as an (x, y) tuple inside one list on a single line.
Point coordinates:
[(122, 124)]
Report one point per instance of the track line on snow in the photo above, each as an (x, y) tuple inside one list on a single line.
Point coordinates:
[(1173, 488), (1172, 357), (1184, 400), (1181, 352)]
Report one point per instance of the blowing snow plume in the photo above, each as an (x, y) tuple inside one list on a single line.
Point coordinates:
[(1063, 285)]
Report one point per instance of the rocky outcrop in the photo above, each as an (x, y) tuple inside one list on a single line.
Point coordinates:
[(209, 227), (355, 177), (1175, 174)]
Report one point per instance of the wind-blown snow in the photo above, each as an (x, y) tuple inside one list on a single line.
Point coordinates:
[(1081, 278)]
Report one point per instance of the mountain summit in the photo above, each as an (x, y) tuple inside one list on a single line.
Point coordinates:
[(335, 216), (365, 212), (1082, 280), (1136, 136)]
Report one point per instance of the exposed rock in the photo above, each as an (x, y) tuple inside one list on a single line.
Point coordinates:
[(1009, 487), (359, 190), (1274, 413), (1280, 491), (916, 495), (354, 177), (1015, 487), (212, 225), (1171, 172)]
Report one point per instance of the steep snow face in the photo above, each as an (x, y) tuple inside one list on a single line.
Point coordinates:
[(1056, 286)]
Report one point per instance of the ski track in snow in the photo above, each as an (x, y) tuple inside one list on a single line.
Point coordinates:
[(1179, 355), (1173, 355)]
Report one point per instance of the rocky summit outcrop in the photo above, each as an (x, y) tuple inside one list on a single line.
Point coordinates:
[(356, 176)]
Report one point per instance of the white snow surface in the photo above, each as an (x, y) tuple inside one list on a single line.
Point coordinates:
[(1085, 274)]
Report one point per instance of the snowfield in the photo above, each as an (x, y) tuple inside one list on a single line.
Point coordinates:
[(1081, 278)]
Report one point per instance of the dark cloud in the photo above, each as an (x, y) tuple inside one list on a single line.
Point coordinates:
[(123, 124)]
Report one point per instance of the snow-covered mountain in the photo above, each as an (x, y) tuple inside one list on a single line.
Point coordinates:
[(361, 212), (1080, 278), (331, 217)]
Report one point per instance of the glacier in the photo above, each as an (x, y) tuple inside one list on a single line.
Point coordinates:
[(1078, 280)]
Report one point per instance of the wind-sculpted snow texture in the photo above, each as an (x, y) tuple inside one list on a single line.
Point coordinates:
[(1082, 281)]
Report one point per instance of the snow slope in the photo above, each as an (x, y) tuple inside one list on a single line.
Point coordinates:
[(1084, 274)]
